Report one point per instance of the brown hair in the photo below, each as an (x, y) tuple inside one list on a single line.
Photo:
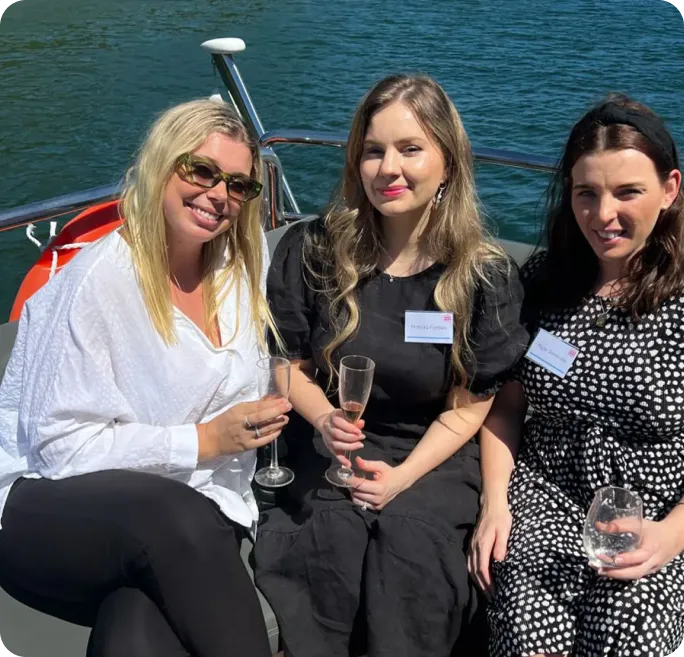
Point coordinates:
[(338, 258), (571, 267)]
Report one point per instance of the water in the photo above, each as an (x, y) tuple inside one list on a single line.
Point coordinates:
[(81, 79)]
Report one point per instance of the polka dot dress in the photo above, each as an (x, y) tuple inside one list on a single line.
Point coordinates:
[(616, 418)]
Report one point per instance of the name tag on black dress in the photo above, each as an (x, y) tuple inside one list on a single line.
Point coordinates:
[(429, 327)]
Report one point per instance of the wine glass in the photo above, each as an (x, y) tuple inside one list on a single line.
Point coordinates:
[(612, 503), (274, 383), (356, 379)]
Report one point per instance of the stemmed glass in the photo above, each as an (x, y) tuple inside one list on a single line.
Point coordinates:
[(610, 504), (274, 383), (356, 379)]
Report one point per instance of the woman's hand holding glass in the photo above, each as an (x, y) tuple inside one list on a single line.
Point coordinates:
[(660, 544), (340, 435), (245, 426), (355, 382), (383, 484)]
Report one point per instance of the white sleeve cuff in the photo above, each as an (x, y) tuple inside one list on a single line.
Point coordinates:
[(184, 447)]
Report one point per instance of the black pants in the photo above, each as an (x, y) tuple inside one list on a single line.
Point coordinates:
[(149, 563)]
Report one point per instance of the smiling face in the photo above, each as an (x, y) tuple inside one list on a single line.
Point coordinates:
[(617, 197), (401, 167), (195, 215)]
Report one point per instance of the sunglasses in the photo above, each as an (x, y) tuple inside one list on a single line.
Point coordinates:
[(204, 173)]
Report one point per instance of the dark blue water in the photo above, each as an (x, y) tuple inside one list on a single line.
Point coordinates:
[(81, 79)]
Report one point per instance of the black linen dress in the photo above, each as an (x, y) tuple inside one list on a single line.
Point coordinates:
[(614, 419), (322, 561)]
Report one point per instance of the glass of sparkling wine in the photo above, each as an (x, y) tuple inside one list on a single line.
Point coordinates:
[(274, 383), (356, 379), (611, 504)]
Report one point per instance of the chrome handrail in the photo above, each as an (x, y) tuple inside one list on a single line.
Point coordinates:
[(313, 137), (274, 184), (57, 206), (339, 140), (230, 74)]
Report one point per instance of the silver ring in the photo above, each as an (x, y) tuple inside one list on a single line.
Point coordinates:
[(257, 432), (248, 424), (364, 506)]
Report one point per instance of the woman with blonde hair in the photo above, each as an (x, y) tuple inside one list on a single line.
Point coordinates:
[(401, 246), (129, 415)]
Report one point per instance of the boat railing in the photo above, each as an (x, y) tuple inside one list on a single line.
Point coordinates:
[(274, 181), (280, 205)]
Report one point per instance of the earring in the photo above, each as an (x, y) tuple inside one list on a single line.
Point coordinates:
[(440, 192)]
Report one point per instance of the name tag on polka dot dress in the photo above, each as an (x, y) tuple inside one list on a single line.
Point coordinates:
[(552, 353)]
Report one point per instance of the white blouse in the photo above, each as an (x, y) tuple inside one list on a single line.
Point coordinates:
[(91, 386)]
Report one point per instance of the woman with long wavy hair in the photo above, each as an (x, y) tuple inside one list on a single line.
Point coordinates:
[(608, 293), (402, 244), (128, 411)]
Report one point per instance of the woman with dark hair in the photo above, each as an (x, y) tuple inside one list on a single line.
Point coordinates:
[(403, 235), (610, 286)]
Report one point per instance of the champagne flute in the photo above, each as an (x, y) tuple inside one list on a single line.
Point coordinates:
[(274, 383), (611, 504), (356, 379)]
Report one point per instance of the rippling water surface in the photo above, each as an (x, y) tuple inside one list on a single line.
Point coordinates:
[(81, 79)]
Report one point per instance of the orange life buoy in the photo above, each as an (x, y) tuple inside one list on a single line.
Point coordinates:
[(88, 226)]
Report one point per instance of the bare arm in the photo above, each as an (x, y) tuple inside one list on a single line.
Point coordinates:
[(499, 441), (309, 400), (444, 437), (447, 434), (307, 397)]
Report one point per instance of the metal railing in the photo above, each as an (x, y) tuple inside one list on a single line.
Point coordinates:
[(339, 139), (242, 101), (274, 185)]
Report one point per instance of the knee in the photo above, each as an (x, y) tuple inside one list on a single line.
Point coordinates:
[(178, 519), (423, 552), (129, 623), (419, 538)]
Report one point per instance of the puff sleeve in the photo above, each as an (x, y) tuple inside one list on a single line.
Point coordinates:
[(290, 298), (499, 337)]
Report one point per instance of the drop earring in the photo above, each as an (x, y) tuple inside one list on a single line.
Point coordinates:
[(440, 192)]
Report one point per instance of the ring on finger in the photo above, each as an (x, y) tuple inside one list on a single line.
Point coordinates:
[(248, 424), (257, 432)]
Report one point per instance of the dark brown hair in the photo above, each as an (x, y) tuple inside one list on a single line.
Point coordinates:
[(571, 267)]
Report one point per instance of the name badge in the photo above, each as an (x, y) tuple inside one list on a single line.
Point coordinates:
[(430, 327), (552, 353)]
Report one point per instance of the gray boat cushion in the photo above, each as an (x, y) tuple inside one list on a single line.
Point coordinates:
[(8, 332)]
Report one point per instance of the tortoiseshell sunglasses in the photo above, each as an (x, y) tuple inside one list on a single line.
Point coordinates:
[(204, 173)]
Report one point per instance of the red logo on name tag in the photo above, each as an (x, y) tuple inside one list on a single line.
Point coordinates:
[(447, 318), (572, 352)]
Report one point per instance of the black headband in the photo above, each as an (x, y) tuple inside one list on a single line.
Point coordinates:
[(649, 125)]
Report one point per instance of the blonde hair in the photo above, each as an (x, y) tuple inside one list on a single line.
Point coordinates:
[(179, 130), (453, 235)]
